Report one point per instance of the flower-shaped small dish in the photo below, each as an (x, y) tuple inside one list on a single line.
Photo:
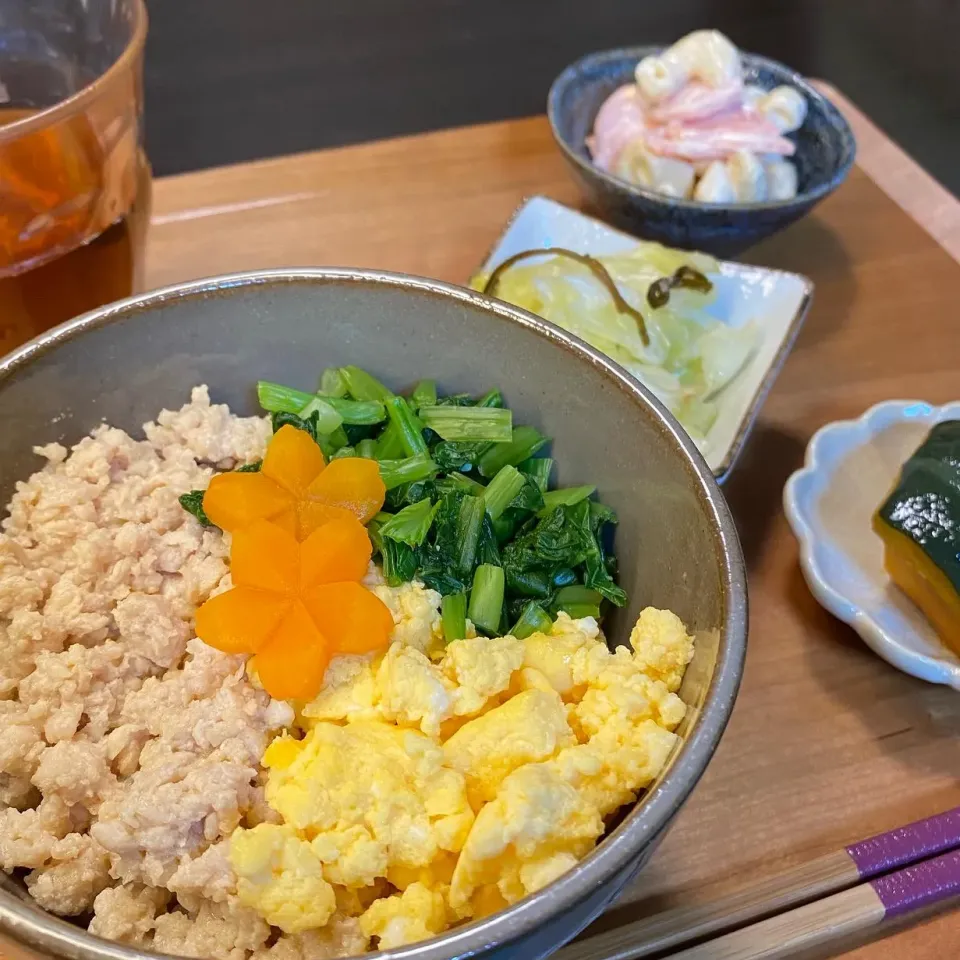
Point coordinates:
[(850, 468), (825, 152), (778, 301)]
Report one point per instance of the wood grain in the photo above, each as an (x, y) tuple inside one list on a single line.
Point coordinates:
[(827, 743), (685, 924), (815, 925), (913, 189)]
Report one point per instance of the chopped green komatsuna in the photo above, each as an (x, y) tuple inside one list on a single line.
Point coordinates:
[(424, 394), (453, 616), (486, 598), (411, 524), (529, 583), (488, 550), (276, 398), (534, 619), (469, 525), (493, 424), (457, 400), (333, 383), (331, 443), (395, 472), (308, 425), (578, 602), (502, 489), (399, 561), (598, 565), (408, 427), (561, 539), (539, 468), (465, 483), (565, 496), (344, 452), (367, 449), (459, 454), (525, 443), (362, 413), (192, 502), (327, 417), (362, 386), (389, 446), (528, 500), (492, 399), (250, 467)]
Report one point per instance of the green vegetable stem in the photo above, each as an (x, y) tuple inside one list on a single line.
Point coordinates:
[(469, 524), (486, 598), (493, 424), (534, 619), (564, 497), (501, 490), (397, 472), (525, 443), (333, 383), (362, 386), (407, 426), (424, 394), (453, 616)]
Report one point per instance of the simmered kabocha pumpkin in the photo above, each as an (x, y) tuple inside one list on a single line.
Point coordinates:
[(920, 527)]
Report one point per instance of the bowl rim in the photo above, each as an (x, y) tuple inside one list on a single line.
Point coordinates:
[(791, 76), (617, 852)]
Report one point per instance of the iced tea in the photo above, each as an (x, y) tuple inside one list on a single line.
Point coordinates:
[(74, 181)]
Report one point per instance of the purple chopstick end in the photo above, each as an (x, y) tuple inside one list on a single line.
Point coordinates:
[(888, 851), (920, 885)]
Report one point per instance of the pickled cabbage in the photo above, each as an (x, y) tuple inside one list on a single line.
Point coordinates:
[(691, 357)]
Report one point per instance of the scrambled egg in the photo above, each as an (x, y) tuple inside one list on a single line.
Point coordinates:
[(433, 785)]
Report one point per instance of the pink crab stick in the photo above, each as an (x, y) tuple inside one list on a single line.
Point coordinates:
[(620, 121), (697, 101), (717, 139)]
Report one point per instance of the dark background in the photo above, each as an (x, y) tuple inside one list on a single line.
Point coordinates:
[(232, 80)]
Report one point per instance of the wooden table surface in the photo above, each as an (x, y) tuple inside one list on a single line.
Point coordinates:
[(827, 743)]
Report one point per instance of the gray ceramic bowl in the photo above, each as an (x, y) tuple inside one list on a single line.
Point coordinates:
[(825, 153), (676, 541)]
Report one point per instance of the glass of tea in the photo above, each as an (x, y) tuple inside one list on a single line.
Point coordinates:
[(74, 179)]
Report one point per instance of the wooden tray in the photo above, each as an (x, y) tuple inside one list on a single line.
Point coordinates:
[(827, 744)]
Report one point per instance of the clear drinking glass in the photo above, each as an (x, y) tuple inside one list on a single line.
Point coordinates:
[(74, 179)]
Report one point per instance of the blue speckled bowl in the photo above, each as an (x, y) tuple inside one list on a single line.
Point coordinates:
[(825, 153)]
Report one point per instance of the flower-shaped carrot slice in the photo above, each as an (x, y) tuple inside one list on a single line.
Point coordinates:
[(295, 605), (355, 616), (291, 666), (293, 460), (295, 488), (234, 500), (341, 554), (241, 620), (352, 483)]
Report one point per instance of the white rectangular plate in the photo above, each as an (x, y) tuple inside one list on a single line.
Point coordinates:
[(777, 300)]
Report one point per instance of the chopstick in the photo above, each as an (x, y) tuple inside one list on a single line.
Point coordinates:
[(834, 918), (818, 880)]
